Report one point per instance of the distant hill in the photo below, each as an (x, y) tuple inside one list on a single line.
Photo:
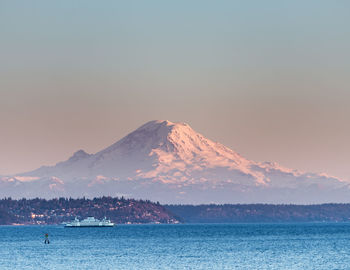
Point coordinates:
[(171, 163), (56, 211), (241, 213)]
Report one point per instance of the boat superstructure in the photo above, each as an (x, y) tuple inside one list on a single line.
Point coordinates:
[(90, 222)]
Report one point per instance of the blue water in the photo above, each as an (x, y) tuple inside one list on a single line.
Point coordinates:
[(208, 246)]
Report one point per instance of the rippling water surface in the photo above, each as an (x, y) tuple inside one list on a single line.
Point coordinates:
[(203, 246)]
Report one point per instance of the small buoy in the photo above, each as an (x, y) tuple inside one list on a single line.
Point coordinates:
[(47, 241)]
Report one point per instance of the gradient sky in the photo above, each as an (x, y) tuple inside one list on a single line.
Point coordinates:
[(269, 79)]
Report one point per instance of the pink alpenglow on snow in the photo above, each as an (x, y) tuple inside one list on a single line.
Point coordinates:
[(171, 163)]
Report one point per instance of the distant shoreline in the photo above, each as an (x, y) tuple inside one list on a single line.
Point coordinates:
[(193, 224), (262, 213), (130, 211)]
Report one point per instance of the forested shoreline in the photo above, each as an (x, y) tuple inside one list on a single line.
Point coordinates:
[(130, 211), (241, 213), (56, 211)]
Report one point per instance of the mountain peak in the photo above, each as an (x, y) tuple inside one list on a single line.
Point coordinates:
[(156, 124), (80, 154), (152, 135)]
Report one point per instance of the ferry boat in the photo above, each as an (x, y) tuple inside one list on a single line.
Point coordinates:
[(89, 222)]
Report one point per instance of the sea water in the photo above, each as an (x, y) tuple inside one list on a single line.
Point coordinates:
[(185, 246)]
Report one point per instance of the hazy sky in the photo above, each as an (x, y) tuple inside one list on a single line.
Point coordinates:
[(269, 79)]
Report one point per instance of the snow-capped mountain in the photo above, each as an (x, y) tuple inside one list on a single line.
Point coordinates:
[(171, 163)]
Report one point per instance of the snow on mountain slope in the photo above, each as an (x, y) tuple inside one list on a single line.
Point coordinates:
[(170, 162)]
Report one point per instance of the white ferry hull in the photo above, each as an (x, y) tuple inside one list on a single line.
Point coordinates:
[(83, 226), (89, 222)]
